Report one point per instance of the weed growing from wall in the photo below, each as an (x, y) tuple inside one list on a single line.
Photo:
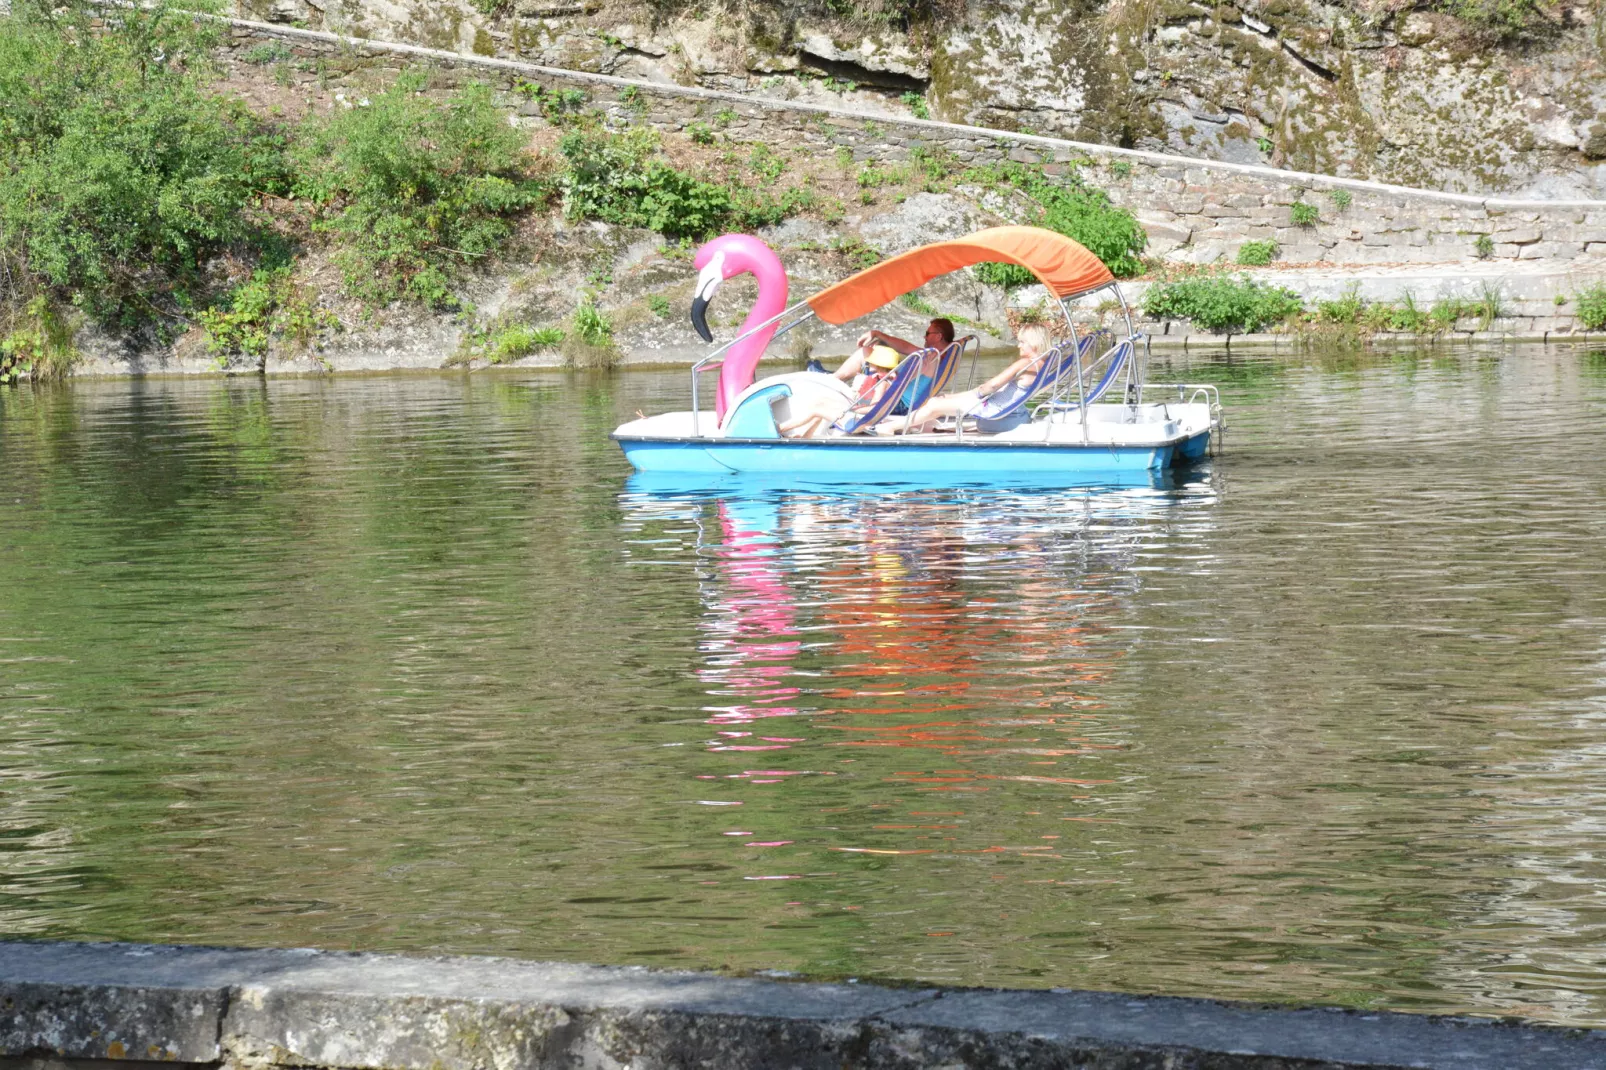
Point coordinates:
[(917, 105), (1257, 253), (1591, 307)]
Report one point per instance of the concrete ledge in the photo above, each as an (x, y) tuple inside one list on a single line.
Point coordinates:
[(63, 1004)]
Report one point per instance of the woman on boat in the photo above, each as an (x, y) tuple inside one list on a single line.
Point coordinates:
[(818, 418), (1034, 343)]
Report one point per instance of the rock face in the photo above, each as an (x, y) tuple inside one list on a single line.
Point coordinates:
[(1359, 88)]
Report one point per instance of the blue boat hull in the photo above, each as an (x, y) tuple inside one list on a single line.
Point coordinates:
[(870, 458)]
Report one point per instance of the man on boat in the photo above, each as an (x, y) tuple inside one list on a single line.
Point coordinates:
[(1020, 375), (939, 333)]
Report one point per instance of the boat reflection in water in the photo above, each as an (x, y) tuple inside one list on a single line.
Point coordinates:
[(973, 626)]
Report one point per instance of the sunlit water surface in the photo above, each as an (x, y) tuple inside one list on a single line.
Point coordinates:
[(411, 664)]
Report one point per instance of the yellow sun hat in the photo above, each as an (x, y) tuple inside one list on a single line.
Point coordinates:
[(884, 357)]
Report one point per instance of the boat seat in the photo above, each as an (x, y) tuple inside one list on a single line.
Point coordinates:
[(862, 417), (1116, 356), (755, 416)]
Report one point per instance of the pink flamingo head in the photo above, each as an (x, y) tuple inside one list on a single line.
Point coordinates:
[(718, 260)]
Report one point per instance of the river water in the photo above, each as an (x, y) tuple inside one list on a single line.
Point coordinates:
[(411, 664)]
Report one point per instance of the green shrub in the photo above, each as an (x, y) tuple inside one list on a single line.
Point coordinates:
[(120, 174), (590, 343), (700, 134), (1487, 307), (1075, 210), (39, 343), (658, 305), (413, 190), (1086, 214), (871, 177), (1592, 307), (1444, 315), (1484, 246), (267, 52), (1407, 315), (615, 178), (1404, 316), (1301, 214), (591, 325), (1502, 18), (1222, 304), (917, 105), (516, 340), (766, 163), (1120, 168), (1257, 253), (1341, 198), (560, 107), (1345, 311), (267, 305), (1009, 276)]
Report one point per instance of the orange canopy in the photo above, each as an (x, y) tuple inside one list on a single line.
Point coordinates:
[(1062, 265)]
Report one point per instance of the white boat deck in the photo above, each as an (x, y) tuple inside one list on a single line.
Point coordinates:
[(1151, 424)]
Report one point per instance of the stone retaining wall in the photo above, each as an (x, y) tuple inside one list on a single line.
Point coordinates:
[(1195, 210), (65, 1005)]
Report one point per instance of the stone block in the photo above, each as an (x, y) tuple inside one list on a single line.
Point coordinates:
[(1223, 211), (1244, 200), (1551, 250), (1187, 204), (1517, 235), (1166, 237)]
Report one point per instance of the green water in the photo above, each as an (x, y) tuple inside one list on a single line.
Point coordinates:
[(409, 663)]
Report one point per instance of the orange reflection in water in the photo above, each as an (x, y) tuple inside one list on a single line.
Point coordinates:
[(909, 625)]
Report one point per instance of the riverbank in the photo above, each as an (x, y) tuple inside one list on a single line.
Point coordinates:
[(1535, 301), (99, 1004), (569, 243)]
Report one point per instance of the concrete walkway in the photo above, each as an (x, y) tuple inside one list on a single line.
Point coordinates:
[(258, 1009)]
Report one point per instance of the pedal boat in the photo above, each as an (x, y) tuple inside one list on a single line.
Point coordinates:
[(1089, 413)]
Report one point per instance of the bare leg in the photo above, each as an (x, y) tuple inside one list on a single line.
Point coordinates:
[(853, 365), (807, 424), (929, 413)]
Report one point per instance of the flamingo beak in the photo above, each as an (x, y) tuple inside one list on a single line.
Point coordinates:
[(707, 283)]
